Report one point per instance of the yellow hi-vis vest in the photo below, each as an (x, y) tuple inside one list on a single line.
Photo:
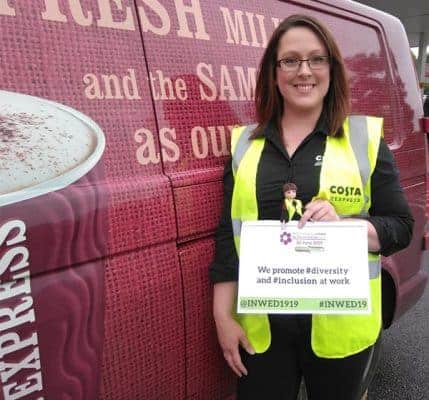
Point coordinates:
[(348, 163), (293, 206)]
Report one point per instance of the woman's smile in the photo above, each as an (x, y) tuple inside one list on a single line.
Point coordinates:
[(304, 88)]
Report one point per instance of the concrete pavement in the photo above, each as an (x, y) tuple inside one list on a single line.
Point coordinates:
[(403, 372)]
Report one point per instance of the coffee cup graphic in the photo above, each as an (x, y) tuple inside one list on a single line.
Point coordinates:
[(44, 146)]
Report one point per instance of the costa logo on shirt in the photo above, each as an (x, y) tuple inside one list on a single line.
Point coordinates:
[(345, 190)]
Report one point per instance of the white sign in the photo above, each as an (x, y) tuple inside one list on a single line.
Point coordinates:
[(321, 268)]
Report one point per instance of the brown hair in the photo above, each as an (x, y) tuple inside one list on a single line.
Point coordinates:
[(289, 186), (268, 100)]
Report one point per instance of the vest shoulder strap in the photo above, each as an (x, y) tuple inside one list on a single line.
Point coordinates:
[(240, 143)]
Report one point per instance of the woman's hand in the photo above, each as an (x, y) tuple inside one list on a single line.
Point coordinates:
[(323, 210), (318, 210), (230, 335)]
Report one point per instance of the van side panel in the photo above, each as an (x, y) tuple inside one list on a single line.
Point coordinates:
[(94, 254), (144, 354), (410, 150), (206, 376)]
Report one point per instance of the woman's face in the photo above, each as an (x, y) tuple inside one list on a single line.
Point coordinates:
[(302, 89)]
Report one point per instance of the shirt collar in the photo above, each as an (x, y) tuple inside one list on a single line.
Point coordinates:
[(271, 132)]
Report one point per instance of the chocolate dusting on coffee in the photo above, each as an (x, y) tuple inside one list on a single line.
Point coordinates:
[(9, 129), (36, 147)]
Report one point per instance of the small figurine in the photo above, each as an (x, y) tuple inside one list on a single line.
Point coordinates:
[(291, 205)]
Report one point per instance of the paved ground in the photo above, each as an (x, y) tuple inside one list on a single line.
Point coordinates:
[(403, 373)]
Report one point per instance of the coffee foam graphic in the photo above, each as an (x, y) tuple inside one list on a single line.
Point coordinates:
[(44, 146)]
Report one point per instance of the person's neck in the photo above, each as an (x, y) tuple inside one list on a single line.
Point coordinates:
[(299, 123)]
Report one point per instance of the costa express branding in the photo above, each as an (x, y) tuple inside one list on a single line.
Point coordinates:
[(20, 368), (349, 194)]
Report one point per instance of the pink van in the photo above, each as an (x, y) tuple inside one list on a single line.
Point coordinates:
[(115, 118)]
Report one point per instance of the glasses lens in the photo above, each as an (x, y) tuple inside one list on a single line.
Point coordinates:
[(289, 64), (317, 62)]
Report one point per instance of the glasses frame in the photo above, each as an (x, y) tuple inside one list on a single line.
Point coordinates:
[(283, 67)]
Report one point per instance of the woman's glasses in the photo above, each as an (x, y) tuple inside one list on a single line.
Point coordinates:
[(291, 64)]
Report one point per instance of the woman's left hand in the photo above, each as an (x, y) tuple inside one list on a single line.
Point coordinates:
[(318, 210)]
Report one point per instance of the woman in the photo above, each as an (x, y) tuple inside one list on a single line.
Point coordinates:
[(303, 137)]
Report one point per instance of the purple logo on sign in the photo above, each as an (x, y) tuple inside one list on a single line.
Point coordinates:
[(285, 238)]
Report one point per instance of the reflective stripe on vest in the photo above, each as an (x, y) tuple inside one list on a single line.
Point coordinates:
[(359, 142), (348, 163), (248, 153)]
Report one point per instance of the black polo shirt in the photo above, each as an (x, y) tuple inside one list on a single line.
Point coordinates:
[(392, 219)]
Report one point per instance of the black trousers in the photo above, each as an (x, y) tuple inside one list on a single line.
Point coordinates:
[(276, 374)]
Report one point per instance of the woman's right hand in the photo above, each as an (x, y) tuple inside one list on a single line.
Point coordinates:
[(231, 335)]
